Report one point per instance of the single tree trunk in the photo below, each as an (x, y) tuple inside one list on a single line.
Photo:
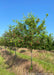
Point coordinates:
[(15, 52), (10, 50), (31, 57)]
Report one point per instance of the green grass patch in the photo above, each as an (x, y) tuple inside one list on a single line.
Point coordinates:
[(46, 65), (3, 66)]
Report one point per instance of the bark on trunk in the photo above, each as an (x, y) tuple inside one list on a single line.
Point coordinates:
[(31, 57), (15, 52)]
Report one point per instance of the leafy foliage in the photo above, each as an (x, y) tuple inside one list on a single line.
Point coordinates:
[(30, 33)]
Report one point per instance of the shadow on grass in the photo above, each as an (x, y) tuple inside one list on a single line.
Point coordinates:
[(15, 61), (34, 69), (12, 60), (1, 48), (6, 53), (22, 51)]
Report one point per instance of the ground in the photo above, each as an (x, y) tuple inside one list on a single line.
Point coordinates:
[(20, 65)]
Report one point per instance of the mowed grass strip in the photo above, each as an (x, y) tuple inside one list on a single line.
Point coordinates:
[(3, 70), (49, 67)]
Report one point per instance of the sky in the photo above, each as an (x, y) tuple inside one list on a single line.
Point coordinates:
[(14, 9)]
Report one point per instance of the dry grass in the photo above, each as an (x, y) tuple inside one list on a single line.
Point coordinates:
[(18, 65), (40, 54)]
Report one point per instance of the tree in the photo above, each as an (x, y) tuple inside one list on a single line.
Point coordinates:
[(30, 33), (49, 42), (53, 45), (31, 30)]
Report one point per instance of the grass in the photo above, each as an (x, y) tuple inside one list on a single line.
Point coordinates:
[(3, 66), (48, 57), (48, 66)]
